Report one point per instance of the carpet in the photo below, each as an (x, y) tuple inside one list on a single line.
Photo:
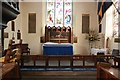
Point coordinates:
[(81, 75)]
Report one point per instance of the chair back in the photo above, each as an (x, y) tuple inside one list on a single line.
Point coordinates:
[(115, 52)]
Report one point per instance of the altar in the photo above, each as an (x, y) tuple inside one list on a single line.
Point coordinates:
[(57, 49)]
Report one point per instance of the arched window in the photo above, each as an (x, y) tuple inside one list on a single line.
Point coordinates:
[(59, 13), (116, 16)]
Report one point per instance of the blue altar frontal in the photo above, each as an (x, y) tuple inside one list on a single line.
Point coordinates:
[(58, 49)]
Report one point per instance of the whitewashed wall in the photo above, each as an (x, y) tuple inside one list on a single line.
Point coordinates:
[(108, 25), (33, 39), (79, 8)]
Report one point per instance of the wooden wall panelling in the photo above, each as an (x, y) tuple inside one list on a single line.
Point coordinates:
[(85, 23), (32, 23)]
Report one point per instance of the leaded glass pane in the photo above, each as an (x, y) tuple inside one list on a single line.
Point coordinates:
[(50, 12), (59, 13), (67, 13), (116, 22)]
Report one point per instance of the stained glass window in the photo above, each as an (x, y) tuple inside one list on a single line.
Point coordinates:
[(116, 21), (50, 12), (59, 13)]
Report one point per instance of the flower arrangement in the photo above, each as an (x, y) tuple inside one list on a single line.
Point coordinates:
[(92, 36)]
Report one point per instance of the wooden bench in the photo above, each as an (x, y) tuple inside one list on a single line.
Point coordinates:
[(106, 72)]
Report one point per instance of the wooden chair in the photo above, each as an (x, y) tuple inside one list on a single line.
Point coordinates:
[(25, 49), (100, 58), (115, 52), (12, 54)]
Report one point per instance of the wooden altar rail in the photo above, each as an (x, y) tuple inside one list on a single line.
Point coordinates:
[(71, 59)]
